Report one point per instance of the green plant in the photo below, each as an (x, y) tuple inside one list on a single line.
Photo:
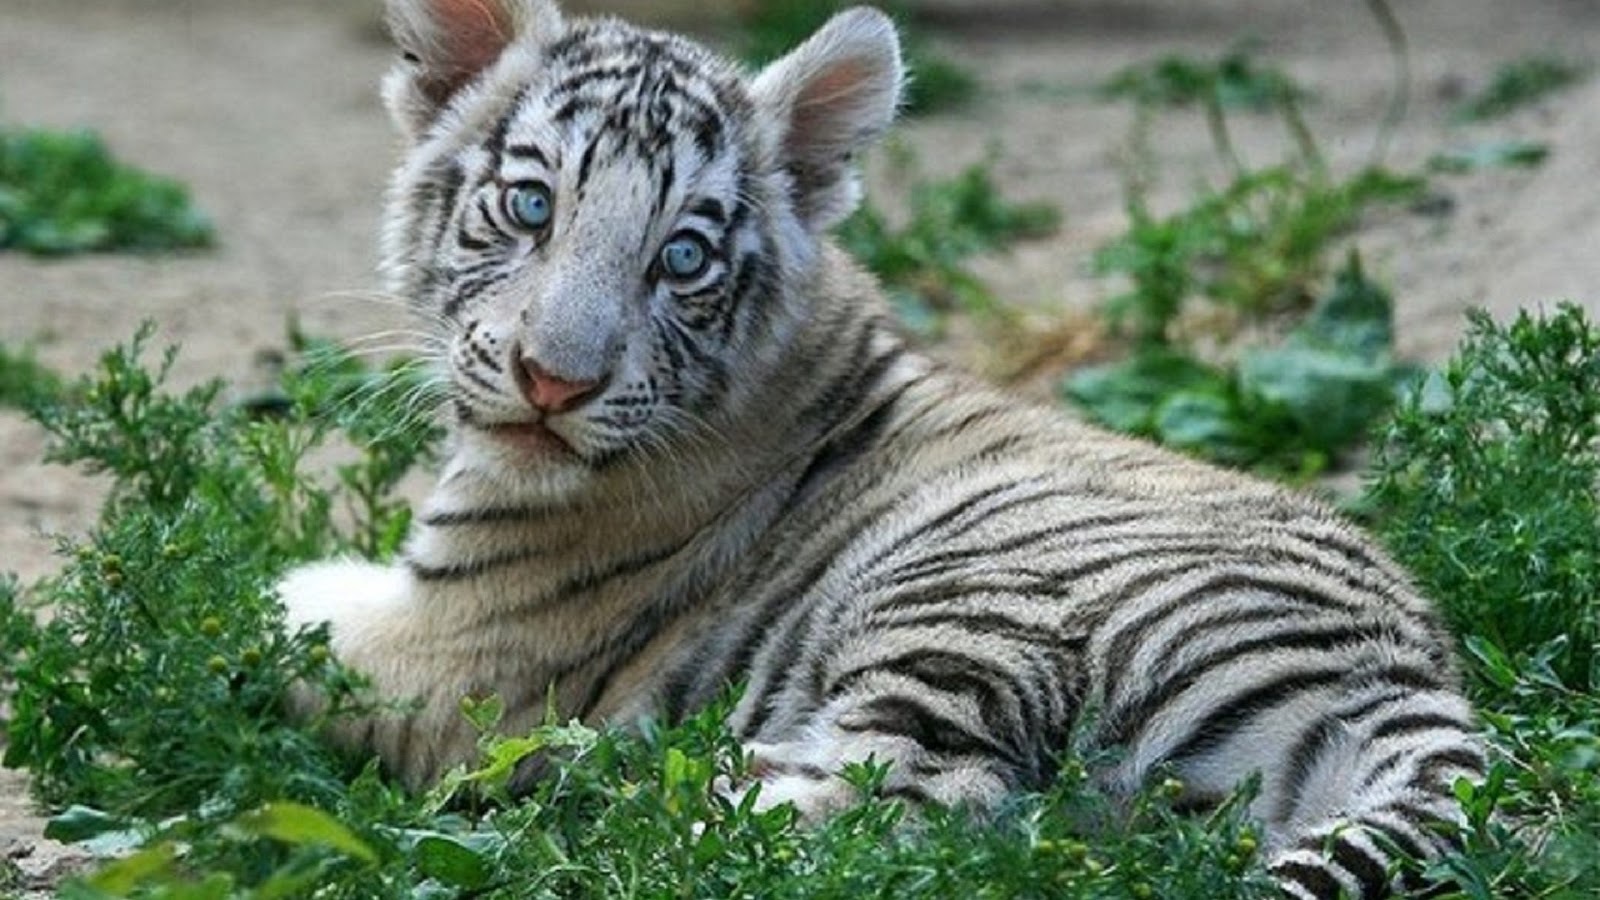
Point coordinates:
[(1492, 471), (1256, 248), (1484, 484), (61, 192), (922, 264), (774, 27), (1290, 408), (1519, 83), (156, 684)]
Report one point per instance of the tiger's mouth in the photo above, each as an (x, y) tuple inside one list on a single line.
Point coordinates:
[(536, 439)]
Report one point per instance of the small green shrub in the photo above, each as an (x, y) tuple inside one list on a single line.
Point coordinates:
[(1484, 484), (156, 684), (1520, 83), (1489, 478), (923, 263), (61, 192)]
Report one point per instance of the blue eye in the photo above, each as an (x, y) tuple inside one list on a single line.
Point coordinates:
[(529, 206), (685, 256)]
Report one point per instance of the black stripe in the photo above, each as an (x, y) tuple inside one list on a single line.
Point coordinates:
[(586, 162), (1223, 721), (528, 151), (1431, 765), (912, 718), (1314, 879), (1303, 759), (1369, 873), (1230, 579), (1132, 716), (987, 624), (490, 514), (1415, 722), (992, 686), (474, 568), (849, 445), (710, 208)]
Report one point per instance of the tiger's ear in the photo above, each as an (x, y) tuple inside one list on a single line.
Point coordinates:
[(446, 44), (826, 101)]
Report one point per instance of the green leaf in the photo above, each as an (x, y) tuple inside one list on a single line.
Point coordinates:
[(1198, 421), (295, 824), (449, 860), (1127, 396), (1333, 397)]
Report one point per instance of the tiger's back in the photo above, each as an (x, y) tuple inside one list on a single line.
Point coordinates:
[(689, 451)]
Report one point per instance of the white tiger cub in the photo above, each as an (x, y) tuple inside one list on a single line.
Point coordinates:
[(689, 450)]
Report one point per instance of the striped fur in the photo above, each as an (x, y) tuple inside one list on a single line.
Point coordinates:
[(770, 487)]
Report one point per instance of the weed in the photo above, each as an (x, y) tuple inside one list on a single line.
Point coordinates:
[(1484, 486), (922, 264), (157, 684), (1492, 474), (61, 192), (774, 27), (1290, 409), (1256, 248), (1256, 251), (1520, 83)]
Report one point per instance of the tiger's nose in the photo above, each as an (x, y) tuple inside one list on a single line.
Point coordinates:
[(549, 393)]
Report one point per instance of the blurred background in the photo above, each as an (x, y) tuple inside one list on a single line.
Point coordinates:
[(1065, 162)]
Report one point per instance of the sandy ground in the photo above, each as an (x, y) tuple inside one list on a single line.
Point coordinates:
[(269, 112)]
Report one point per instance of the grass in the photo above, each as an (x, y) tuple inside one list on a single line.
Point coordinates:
[(63, 192), (149, 708)]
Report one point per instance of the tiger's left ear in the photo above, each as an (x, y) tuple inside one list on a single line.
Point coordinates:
[(827, 100)]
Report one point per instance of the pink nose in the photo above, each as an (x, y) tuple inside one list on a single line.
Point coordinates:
[(550, 394)]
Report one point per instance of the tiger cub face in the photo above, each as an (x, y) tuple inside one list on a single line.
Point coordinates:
[(604, 226)]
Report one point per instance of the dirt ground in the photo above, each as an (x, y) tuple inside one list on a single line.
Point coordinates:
[(269, 112)]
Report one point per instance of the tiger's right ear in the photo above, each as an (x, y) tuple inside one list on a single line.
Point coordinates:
[(446, 44)]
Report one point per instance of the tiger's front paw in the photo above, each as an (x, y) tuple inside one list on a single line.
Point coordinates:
[(364, 605), (793, 773)]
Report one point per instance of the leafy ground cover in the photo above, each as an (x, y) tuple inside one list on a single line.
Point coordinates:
[(63, 192), (149, 706)]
